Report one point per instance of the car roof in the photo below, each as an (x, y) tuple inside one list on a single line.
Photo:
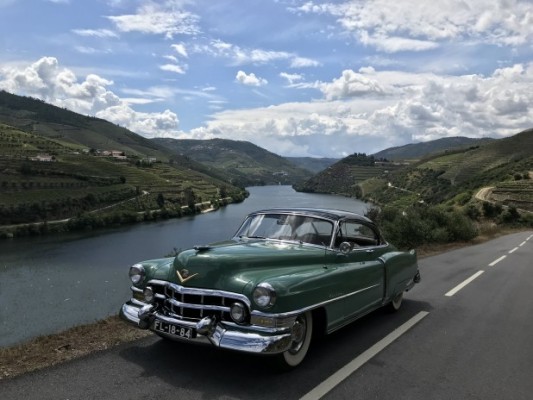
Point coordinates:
[(327, 213)]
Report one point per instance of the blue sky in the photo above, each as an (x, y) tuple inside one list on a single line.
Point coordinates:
[(299, 78)]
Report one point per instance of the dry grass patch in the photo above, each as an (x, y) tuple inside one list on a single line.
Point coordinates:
[(49, 350)]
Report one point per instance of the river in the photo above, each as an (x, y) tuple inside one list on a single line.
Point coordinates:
[(51, 283)]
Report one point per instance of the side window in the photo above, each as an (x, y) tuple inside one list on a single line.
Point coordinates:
[(357, 233)]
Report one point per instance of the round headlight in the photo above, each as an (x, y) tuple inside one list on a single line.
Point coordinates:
[(137, 273), (238, 312), (264, 295), (148, 294)]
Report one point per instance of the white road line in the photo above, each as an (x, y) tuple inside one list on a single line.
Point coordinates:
[(462, 285), (492, 264), (521, 244), (362, 359), (513, 250)]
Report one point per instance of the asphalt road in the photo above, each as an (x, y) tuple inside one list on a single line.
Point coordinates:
[(465, 332)]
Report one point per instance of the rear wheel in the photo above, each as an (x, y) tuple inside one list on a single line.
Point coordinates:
[(396, 302), (301, 339)]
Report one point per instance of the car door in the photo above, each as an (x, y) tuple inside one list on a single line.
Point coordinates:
[(363, 274)]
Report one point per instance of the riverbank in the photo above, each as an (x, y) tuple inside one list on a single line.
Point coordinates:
[(103, 218), (49, 350)]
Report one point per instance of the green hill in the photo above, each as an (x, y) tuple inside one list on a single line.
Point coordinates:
[(415, 151), (345, 176), (57, 164), (243, 163), (312, 164), (505, 164)]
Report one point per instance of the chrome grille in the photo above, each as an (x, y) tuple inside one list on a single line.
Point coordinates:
[(193, 304)]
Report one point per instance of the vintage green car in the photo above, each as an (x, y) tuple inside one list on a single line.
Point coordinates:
[(285, 274)]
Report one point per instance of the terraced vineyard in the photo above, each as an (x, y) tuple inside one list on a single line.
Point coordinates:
[(45, 179), (345, 179), (515, 193)]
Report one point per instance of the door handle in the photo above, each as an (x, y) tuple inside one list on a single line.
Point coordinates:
[(369, 251)]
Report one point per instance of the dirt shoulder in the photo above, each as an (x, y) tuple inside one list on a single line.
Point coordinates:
[(76, 342), (79, 341)]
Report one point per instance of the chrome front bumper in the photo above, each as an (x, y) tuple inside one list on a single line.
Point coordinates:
[(219, 334)]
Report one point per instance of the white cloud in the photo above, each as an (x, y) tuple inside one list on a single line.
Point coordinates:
[(352, 84), (99, 33), (180, 49), (403, 25), (291, 78), (242, 56), (149, 124), (46, 80), (250, 79), (370, 110), (159, 19), (301, 62), (395, 44), (172, 68)]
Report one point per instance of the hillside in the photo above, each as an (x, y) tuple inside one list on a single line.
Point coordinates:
[(415, 151), (57, 164), (243, 163), (505, 164), (312, 164), (82, 132), (345, 176)]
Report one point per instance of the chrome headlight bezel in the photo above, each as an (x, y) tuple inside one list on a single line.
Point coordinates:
[(264, 295), (137, 274)]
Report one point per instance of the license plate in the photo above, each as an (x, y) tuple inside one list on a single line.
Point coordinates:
[(176, 330)]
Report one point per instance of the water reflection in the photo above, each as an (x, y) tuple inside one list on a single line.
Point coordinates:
[(48, 284)]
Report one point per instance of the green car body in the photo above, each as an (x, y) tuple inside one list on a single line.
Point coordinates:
[(309, 270)]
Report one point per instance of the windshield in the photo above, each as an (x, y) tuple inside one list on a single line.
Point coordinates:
[(288, 227)]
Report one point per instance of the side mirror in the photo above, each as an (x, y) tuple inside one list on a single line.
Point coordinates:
[(346, 247)]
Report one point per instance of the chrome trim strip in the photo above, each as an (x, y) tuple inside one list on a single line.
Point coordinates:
[(177, 303), (200, 292), (308, 308), (136, 289)]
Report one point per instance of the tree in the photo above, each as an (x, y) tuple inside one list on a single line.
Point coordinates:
[(160, 200)]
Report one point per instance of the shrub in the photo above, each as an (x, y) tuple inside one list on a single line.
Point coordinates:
[(491, 210), (423, 225)]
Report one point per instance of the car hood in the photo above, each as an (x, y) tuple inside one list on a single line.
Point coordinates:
[(232, 265)]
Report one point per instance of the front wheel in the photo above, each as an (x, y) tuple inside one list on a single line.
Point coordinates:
[(302, 331)]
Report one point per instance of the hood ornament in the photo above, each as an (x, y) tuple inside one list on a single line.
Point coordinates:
[(184, 275)]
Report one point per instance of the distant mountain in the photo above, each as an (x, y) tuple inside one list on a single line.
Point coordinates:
[(422, 149), (312, 164), (243, 163)]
